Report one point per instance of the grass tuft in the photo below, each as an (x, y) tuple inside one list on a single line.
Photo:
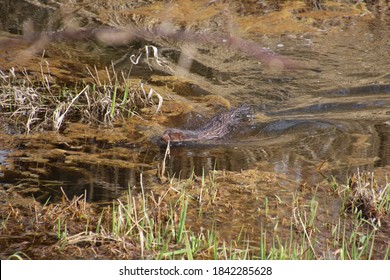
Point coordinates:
[(165, 224), (47, 105)]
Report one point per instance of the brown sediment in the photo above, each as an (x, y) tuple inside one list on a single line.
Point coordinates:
[(219, 126)]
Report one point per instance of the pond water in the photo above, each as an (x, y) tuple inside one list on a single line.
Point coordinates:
[(327, 116)]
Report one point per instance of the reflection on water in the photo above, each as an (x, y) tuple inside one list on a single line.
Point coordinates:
[(326, 118), (291, 147), (303, 150)]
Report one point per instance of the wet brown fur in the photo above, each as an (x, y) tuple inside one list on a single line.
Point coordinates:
[(218, 127)]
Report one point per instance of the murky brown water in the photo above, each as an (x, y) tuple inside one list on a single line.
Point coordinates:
[(328, 116)]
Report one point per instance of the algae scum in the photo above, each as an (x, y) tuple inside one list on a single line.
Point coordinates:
[(88, 90)]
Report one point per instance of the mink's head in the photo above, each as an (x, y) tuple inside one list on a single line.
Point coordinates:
[(173, 135)]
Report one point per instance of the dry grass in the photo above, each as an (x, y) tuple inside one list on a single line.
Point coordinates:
[(45, 105), (366, 196), (160, 224)]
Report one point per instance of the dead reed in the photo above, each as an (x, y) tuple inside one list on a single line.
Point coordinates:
[(32, 106)]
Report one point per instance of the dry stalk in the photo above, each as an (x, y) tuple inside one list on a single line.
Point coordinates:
[(295, 214), (163, 163)]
